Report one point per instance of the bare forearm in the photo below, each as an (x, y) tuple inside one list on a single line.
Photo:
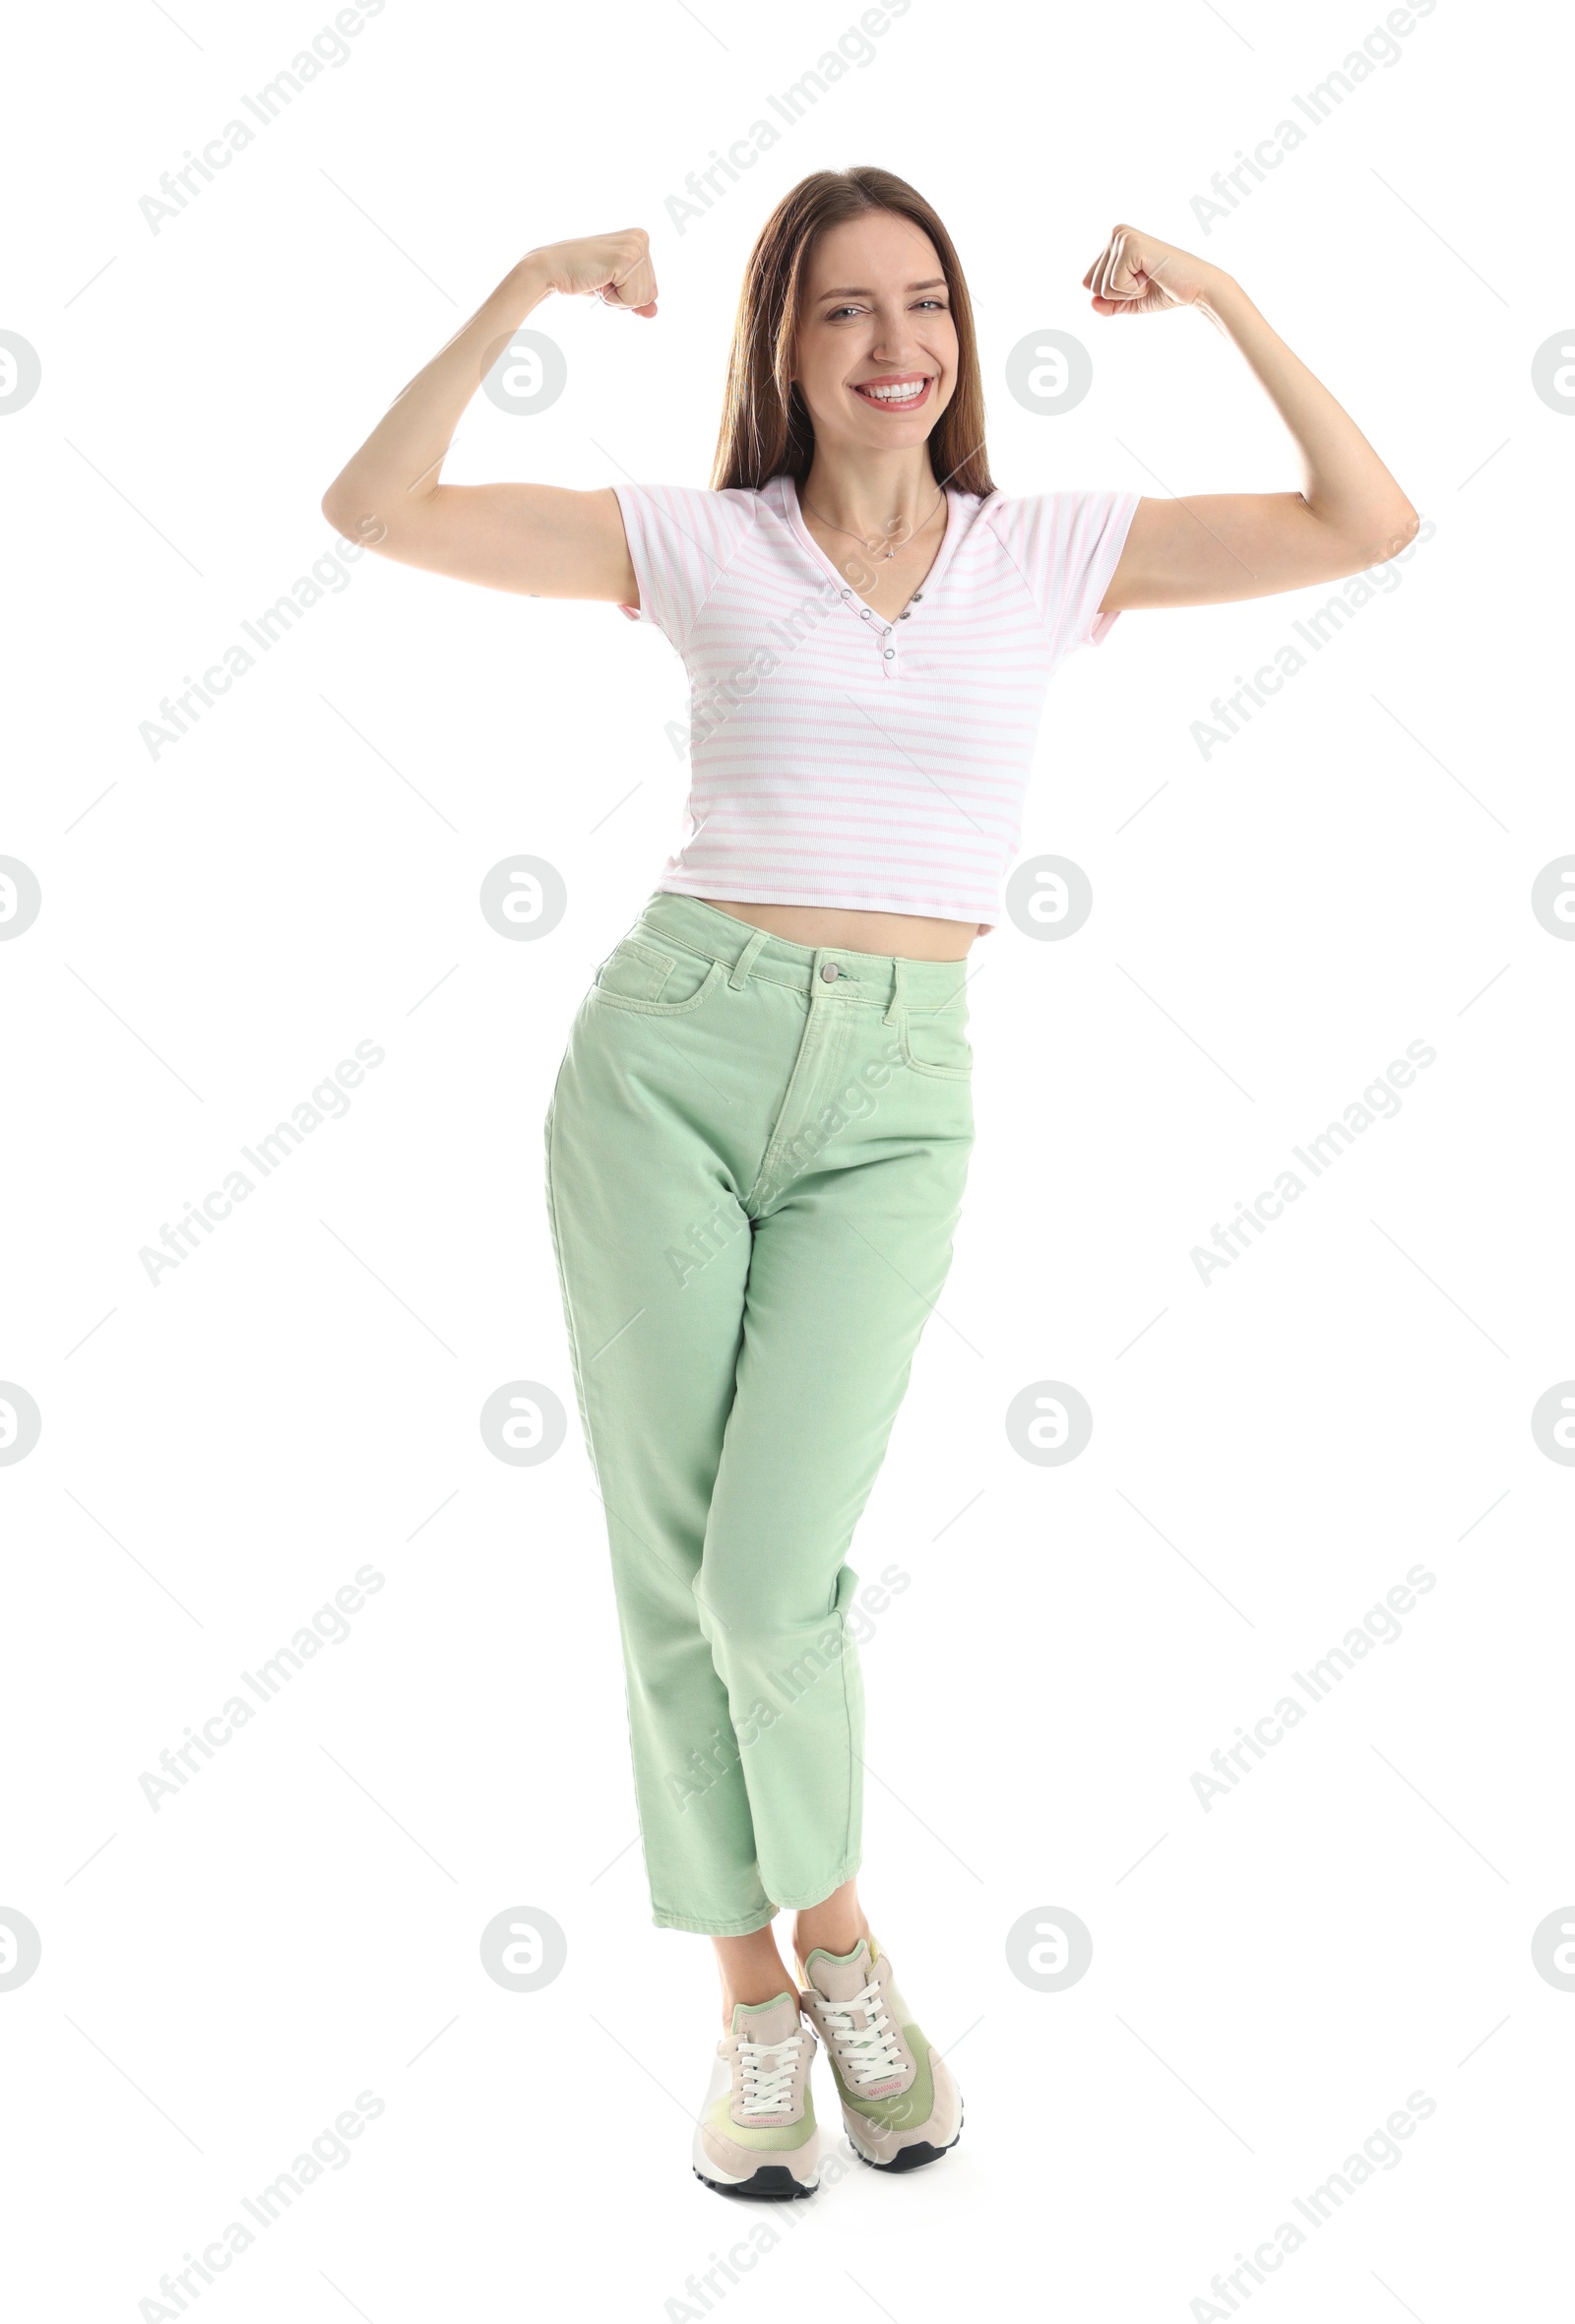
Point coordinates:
[(1212, 548), (1346, 484), (401, 459)]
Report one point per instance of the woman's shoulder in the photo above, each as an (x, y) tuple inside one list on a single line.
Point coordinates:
[(734, 505), (1039, 530), (683, 538), (672, 520), (1016, 509)]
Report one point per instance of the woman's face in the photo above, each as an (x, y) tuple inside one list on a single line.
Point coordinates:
[(876, 361)]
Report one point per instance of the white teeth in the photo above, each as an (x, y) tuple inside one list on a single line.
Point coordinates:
[(897, 395)]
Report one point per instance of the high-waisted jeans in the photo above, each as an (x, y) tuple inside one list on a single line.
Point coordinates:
[(756, 1153)]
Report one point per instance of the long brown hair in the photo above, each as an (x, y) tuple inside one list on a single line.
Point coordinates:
[(766, 429)]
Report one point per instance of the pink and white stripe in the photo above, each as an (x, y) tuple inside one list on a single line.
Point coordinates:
[(843, 760)]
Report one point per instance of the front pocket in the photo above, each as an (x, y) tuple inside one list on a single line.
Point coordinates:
[(640, 975), (937, 1043)]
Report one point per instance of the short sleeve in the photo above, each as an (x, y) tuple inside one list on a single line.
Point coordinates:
[(1067, 546), (681, 540)]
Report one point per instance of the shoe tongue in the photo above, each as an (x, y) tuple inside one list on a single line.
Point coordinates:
[(765, 2020), (837, 1977)]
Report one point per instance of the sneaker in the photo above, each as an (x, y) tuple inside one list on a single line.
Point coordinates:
[(756, 2134), (901, 2106)]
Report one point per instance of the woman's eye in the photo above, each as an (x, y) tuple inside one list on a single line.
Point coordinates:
[(835, 314)]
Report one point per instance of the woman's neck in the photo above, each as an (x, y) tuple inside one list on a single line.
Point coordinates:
[(876, 501)]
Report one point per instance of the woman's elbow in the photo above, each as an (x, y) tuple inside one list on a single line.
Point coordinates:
[(1373, 538), (351, 520), (335, 508), (1397, 529)]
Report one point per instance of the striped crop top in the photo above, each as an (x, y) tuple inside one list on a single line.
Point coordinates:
[(841, 758)]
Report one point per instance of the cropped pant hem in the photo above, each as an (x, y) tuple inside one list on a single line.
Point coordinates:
[(761, 1918), (805, 1904)]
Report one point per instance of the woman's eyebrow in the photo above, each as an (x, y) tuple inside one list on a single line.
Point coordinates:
[(859, 290)]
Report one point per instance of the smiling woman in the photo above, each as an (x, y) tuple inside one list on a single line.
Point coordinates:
[(748, 1255)]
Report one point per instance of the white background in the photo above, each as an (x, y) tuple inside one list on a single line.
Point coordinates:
[(301, 872)]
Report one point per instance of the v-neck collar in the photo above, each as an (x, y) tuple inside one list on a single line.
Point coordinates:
[(955, 529)]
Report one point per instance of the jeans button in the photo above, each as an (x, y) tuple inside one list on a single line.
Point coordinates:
[(829, 973)]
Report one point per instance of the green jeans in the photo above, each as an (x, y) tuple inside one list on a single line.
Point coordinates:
[(755, 1154)]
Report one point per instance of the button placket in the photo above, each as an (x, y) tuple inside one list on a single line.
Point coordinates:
[(888, 653), (890, 665)]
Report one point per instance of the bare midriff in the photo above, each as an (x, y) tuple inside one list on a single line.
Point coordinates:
[(898, 936)]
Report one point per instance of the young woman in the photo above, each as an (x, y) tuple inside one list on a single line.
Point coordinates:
[(758, 1141)]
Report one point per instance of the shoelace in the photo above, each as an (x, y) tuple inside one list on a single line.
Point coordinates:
[(871, 2051), (766, 2070)]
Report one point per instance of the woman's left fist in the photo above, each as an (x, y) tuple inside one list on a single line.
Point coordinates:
[(1136, 273)]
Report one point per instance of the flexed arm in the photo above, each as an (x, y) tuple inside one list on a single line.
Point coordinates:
[(535, 538), (1210, 548)]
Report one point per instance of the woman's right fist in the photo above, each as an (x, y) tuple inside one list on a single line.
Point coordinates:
[(614, 268)]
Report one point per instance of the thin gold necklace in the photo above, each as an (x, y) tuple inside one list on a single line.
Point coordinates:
[(860, 538)]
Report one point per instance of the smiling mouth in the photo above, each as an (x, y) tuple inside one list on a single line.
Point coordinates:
[(895, 395)]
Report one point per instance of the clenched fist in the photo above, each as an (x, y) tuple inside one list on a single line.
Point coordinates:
[(614, 268), (1136, 273)]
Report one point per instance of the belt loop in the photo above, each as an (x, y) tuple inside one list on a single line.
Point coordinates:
[(897, 994), (747, 959)]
